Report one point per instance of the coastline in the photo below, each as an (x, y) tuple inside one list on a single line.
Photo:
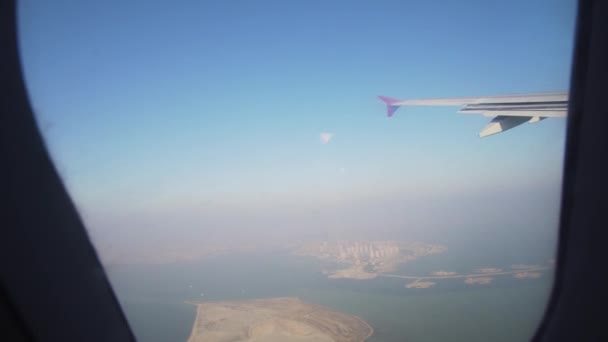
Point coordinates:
[(361, 320), (371, 329), (194, 328)]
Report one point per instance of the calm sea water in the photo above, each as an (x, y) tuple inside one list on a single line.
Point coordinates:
[(507, 310)]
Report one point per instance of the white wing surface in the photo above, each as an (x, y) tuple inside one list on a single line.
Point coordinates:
[(507, 111)]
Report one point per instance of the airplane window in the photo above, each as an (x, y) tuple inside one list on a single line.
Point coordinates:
[(241, 179)]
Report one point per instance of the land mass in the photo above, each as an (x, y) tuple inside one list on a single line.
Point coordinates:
[(275, 319), (481, 277), (367, 259), (419, 284)]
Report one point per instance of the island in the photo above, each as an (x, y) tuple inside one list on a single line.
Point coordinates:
[(275, 319), (481, 276), (478, 280), (419, 284), (366, 259), (527, 275)]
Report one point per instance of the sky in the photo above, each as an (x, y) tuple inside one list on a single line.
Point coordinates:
[(173, 122)]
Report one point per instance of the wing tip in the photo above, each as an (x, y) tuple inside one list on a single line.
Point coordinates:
[(391, 108), (388, 100)]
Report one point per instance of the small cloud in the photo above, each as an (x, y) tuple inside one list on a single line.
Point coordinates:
[(325, 137)]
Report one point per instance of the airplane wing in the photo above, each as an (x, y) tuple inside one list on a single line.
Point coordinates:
[(507, 111)]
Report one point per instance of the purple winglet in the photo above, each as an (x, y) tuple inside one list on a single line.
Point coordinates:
[(390, 105)]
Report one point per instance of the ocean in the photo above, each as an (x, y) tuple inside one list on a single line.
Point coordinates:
[(508, 309)]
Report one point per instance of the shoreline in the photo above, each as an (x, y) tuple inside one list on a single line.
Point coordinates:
[(194, 329), (361, 320), (371, 332)]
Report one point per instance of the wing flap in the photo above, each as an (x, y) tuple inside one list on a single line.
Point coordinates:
[(524, 113), (502, 123)]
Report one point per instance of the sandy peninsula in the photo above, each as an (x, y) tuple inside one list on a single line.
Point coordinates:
[(275, 319)]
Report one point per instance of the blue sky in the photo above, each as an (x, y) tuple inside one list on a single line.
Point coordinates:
[(156, 109)]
